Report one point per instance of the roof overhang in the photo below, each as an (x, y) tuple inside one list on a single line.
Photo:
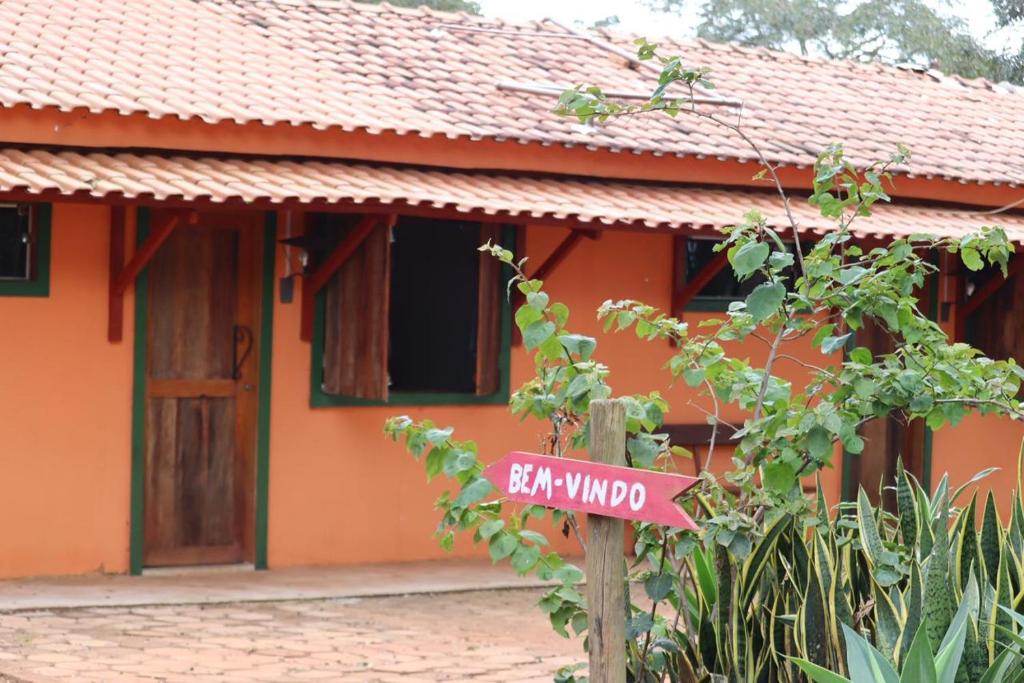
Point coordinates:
[(179, 179)]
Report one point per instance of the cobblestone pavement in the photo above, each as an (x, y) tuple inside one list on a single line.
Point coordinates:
[(478, 636)]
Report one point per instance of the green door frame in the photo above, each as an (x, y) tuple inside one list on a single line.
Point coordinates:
[(138, 475)]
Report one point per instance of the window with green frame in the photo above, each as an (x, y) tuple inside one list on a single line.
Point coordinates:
[(416, 316), (24, 249)]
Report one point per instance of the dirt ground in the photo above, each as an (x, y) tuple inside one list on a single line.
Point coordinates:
[(472, 636)]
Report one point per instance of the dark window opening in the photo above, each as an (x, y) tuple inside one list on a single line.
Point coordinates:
[(16, 242), (994, 325), (415, 312), (433, 306), (723, 287)]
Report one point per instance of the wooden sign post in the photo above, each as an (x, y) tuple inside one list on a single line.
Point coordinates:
[(609, 492), (606, 599)]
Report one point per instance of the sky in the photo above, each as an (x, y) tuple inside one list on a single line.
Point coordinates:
[(636, 18)]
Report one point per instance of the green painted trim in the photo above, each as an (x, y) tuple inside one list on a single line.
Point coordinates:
[(848, 486), (319, 399), (138, 475), (929, 438), (39, 285), (263, 412)]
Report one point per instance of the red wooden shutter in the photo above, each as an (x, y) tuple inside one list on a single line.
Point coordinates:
[(488, 331), (356, 322)]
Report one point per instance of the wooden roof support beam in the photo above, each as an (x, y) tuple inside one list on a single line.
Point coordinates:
[(560, 252), (314, 282), (123, 276), (548, 266), (983, 294)]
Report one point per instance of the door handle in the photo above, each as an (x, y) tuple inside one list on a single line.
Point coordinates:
[(242, 336)]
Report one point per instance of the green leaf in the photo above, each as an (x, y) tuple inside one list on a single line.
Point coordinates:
[(823, 332), (865, 662), (817, 673), (538, 300), (502, 545), (658, 586), (748, 258), (937, 586), (819, 443), (947, 661), (693, 376), (473, 493), (765, 300), (833, 344), (919, 665), (530, 535), (536, 333), (579, 344), (991, 539), (779, 476), (861, 355), (526, 316), (488, 529), (438, 436), (971, 258), (525, 558), (639, 625)]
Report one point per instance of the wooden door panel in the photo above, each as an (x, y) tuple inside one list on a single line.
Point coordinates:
[(201, 393), (190, 479), (194, 299)]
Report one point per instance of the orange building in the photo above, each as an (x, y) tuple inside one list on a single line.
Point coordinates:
[(237, 235)]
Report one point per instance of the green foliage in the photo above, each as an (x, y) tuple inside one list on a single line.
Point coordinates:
[(978, 642)]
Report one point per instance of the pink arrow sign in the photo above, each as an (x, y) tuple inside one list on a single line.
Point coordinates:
[(595, 488)]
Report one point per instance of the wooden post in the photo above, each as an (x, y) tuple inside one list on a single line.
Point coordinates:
[(606, 600)]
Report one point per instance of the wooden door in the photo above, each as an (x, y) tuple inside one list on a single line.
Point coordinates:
[(201, 392)]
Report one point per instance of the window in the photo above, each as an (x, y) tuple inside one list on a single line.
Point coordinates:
[(994, 326), (692, 255), (24, 249), (416, 315)]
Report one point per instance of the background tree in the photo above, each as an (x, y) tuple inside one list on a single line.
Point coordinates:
[(891, 31), (442, 5)]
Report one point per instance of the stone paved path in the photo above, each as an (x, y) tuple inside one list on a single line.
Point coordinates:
[(478, 636)]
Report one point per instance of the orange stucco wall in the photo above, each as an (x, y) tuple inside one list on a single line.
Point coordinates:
[(65, 413), (973, 445), (341, 493)]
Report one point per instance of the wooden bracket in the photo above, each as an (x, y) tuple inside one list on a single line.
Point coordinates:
[(560, 252), (123, 275), (314, 282), (982, 295), (548, 266), (684, 295)]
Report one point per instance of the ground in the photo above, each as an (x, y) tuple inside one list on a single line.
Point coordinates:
[(477, 636)]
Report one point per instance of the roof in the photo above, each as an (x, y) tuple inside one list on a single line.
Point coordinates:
[(285, 182), (332, 63)]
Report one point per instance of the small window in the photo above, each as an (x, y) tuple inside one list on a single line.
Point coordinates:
[(693, 255), (24, 249), (415, 315)]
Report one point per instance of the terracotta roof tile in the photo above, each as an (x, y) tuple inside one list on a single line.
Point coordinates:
[(331, 63), (160, 177)]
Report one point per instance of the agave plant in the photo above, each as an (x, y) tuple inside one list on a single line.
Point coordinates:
[(921, 663), (815, 590)]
